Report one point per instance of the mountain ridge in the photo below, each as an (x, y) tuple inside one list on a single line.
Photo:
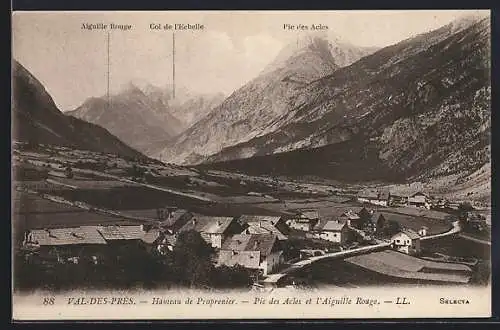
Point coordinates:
[(36, 119), (144, 116), (256, 107), (410, 87)]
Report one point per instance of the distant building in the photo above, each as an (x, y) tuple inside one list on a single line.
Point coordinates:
[(475, 221), (350, 217), (423, 231), (406, 241), (398, 200), (440, 203), (419, 200), (305, 220), (453, 206), (373, 197), (335, 231), (382, 198), (255, 251), (214, 230), (367, 196)]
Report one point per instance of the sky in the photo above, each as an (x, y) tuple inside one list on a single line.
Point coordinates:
[(232, 49)]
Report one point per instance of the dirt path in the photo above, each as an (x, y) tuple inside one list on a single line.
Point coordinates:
[(455, 229)]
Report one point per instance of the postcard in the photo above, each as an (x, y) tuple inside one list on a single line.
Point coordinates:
[(251, 164)]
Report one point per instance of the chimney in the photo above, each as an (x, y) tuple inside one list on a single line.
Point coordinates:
[(194, 221), (219, 223)]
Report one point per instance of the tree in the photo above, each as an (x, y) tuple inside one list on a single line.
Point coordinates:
[(192, 259), (393, 227), (232, 277), (465, 207), (365, 219)]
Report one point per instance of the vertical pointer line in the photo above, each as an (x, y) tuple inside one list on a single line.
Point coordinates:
[(173, 65), (107, 92)]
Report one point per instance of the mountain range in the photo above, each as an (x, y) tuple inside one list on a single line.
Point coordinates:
[(413, 110), (36, 119), (146, 116), (259, 106)]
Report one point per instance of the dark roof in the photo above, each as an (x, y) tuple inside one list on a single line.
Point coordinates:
[(110, 233), (177, 219), (264, 243), (208, 224)]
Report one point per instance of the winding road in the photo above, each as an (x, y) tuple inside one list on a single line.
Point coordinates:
[(274, 278)]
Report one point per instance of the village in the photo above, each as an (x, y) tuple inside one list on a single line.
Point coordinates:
[(373, 230)]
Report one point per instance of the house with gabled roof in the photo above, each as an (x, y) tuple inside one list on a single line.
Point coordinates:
[(406, 241), (213, 229), (64, 244), (397, 199), (257, 224), (254, 251), (380, 197), (304, 220), (350, 217), (334, 231), (419, 199), (367, 196)]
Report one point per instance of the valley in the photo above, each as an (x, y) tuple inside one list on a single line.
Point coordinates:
[(336, 164)]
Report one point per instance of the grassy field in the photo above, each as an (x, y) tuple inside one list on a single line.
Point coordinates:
[(418, 212), (34, 212), (415, 222), (90, 184)]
